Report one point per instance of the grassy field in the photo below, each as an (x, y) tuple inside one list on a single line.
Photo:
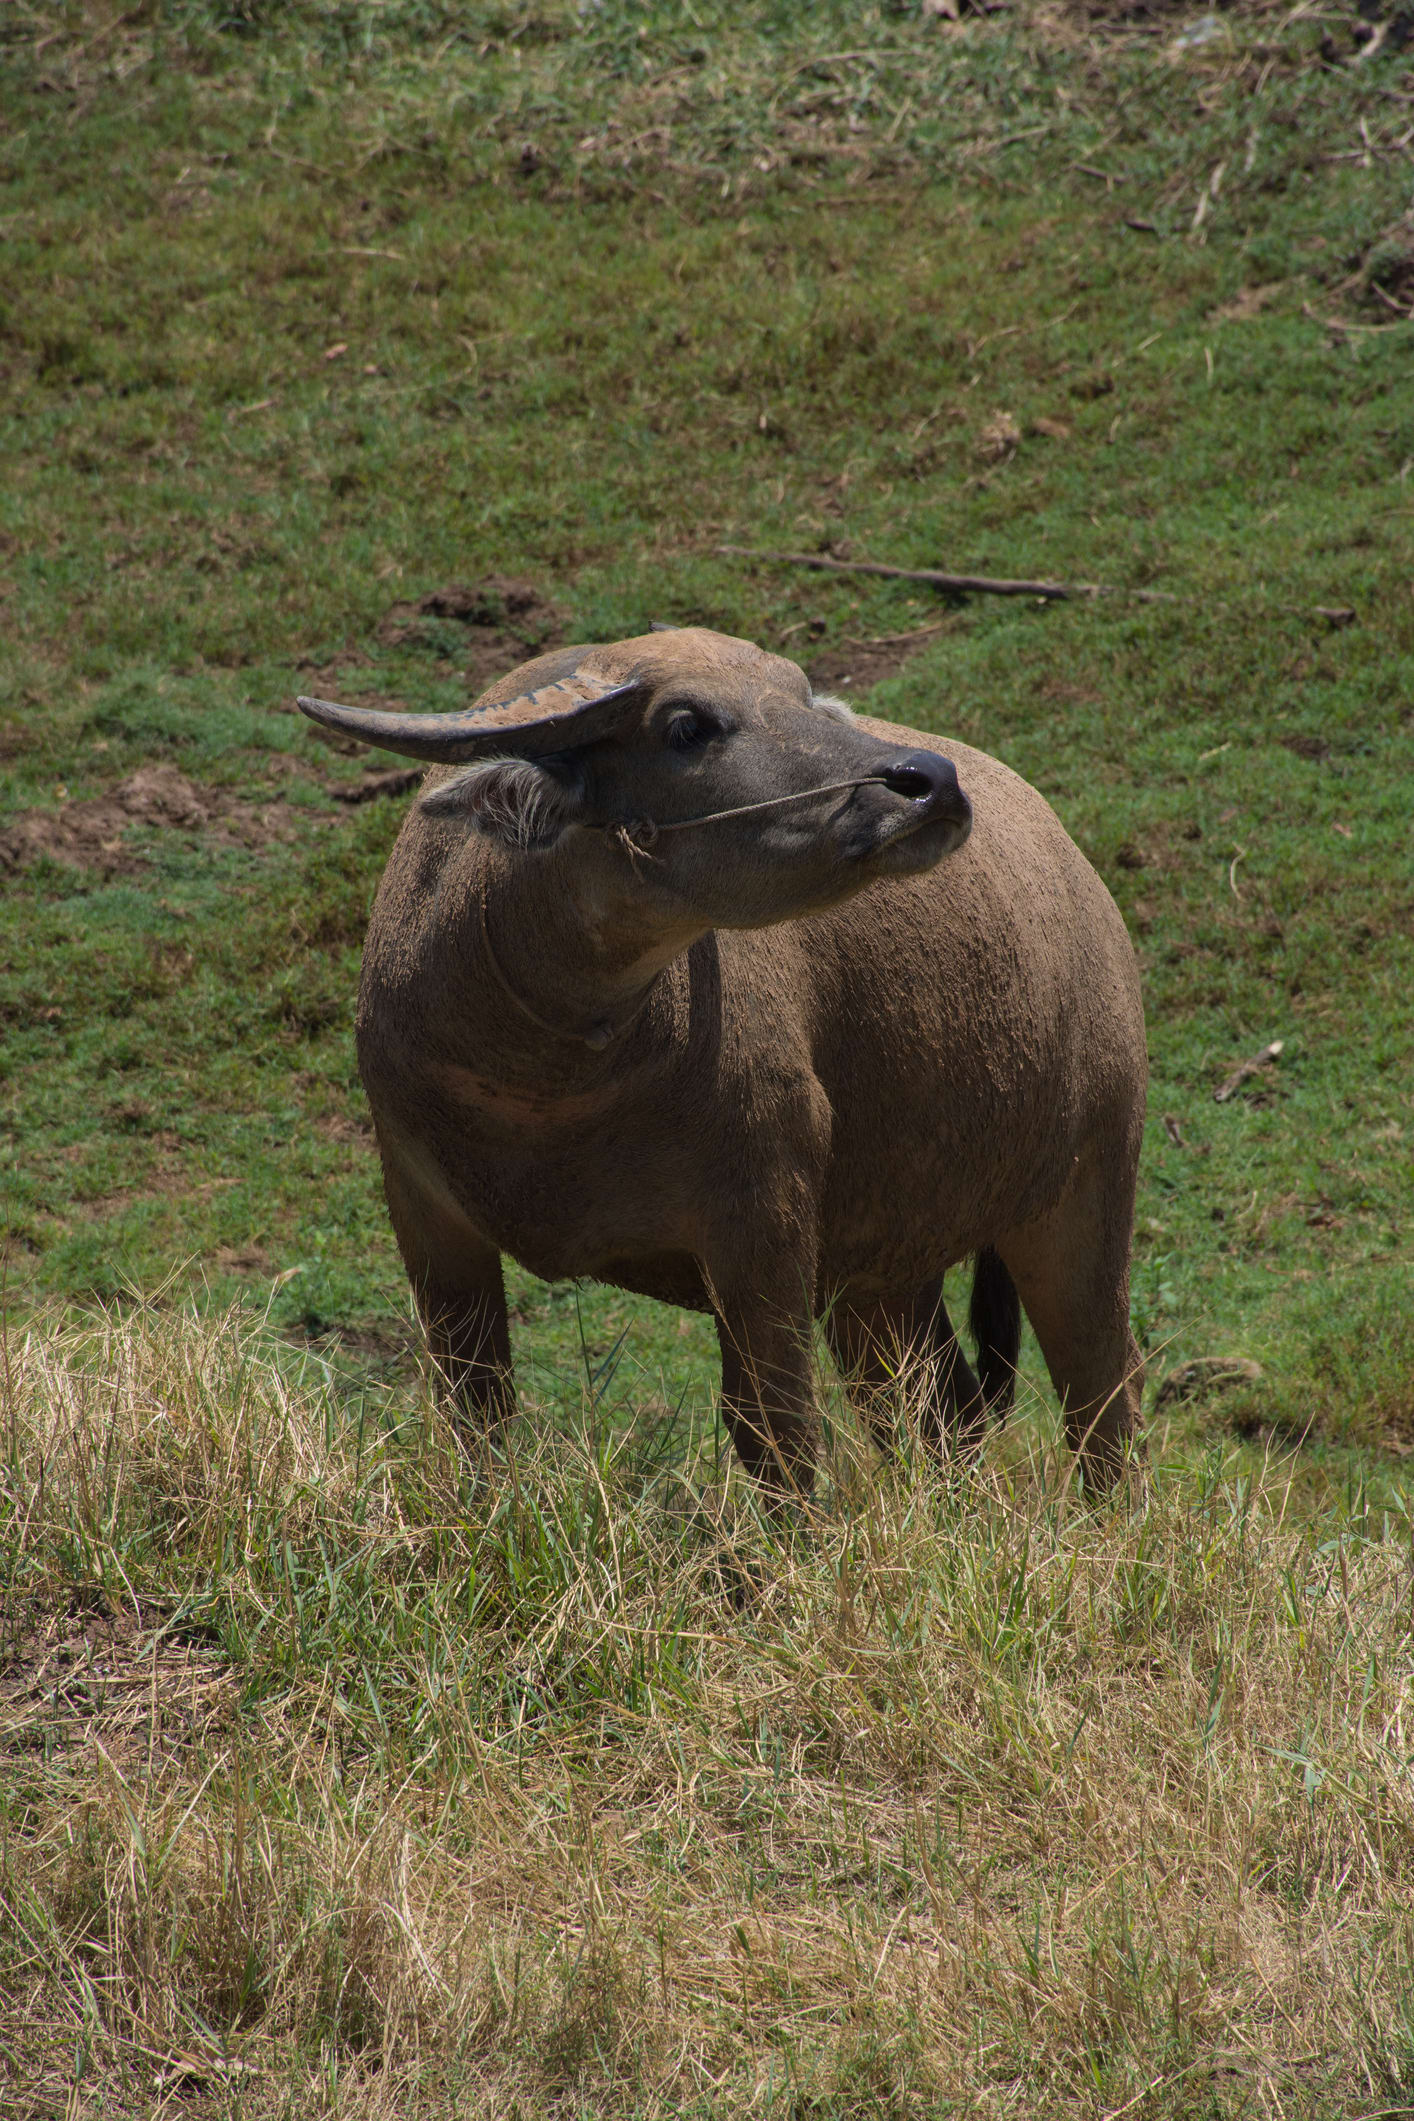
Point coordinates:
[(364, 349)]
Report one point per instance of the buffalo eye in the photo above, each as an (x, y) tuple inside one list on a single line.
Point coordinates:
[(689, 731)]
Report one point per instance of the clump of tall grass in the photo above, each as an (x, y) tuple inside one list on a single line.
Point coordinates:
[(569, 1783)]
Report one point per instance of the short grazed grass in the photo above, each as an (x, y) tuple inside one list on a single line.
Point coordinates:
[(310, 312), (334, 1779)]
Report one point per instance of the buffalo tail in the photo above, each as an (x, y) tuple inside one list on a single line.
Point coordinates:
[(995, 1319)]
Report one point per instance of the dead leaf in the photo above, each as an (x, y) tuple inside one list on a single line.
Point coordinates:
[(1055, 430), (999, 438), (1247, 302), (331, 353)]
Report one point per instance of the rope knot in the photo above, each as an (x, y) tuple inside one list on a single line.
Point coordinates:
[(637, 836)]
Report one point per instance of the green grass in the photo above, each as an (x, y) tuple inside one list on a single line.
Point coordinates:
[(308, 311), (592, 364), (592, 372)]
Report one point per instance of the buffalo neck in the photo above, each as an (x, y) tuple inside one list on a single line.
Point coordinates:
[(573, 955)]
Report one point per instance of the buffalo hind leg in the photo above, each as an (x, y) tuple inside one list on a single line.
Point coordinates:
[(1071, 1270), (885, 1347)]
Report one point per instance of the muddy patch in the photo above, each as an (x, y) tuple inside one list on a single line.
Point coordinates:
[(485, 627), (84, 1676), (92, 834)]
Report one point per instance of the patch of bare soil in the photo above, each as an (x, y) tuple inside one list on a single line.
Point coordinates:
[(1376, 279), (1205, 1375), (388, 1350), (92, 833), (1394, 1414), (244, 1259), (506, 620), (1383, 280), (330, 681), (857, 665), (87, 1675), (344, 1127), (1315, 748), (377, 779), (1248, 302), (395, 781)]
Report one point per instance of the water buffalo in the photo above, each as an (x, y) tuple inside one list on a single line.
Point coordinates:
[(686, 979)]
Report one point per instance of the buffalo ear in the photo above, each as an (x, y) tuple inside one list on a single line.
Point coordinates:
[(522, 804)]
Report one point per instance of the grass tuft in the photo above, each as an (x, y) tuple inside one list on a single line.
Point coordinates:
[(974, 1798)]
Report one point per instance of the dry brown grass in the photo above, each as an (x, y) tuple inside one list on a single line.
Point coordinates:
[(580, 1791)]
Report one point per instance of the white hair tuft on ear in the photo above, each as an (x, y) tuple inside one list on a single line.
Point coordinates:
[(829, 703), (513, 800)]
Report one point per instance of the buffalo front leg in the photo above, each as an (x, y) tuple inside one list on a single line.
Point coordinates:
[(894, 1351), (468, 1335), (767, 1397), (460, 1294)]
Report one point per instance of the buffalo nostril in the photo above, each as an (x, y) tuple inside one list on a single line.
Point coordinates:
[(907, 780), (921, 776)]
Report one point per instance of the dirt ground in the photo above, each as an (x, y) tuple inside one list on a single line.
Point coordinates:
[(92, 833), (87, 1675)]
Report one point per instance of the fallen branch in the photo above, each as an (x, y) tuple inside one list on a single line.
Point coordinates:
[(1340, 329), (959, 584), (992, 585), (1005, 586), (988, 585)]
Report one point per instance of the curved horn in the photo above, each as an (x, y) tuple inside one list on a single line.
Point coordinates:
[(555, 717)]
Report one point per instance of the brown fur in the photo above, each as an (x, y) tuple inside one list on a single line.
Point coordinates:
[(934, 1049)]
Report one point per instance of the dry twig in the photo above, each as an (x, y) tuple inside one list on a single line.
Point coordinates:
[(935, 577), (1248, 1068), (1007, 586)]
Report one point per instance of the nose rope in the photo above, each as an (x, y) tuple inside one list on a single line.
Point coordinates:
[(640, 833), (637, 836)]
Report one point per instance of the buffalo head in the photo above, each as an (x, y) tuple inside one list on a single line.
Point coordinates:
[(698, 765)]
